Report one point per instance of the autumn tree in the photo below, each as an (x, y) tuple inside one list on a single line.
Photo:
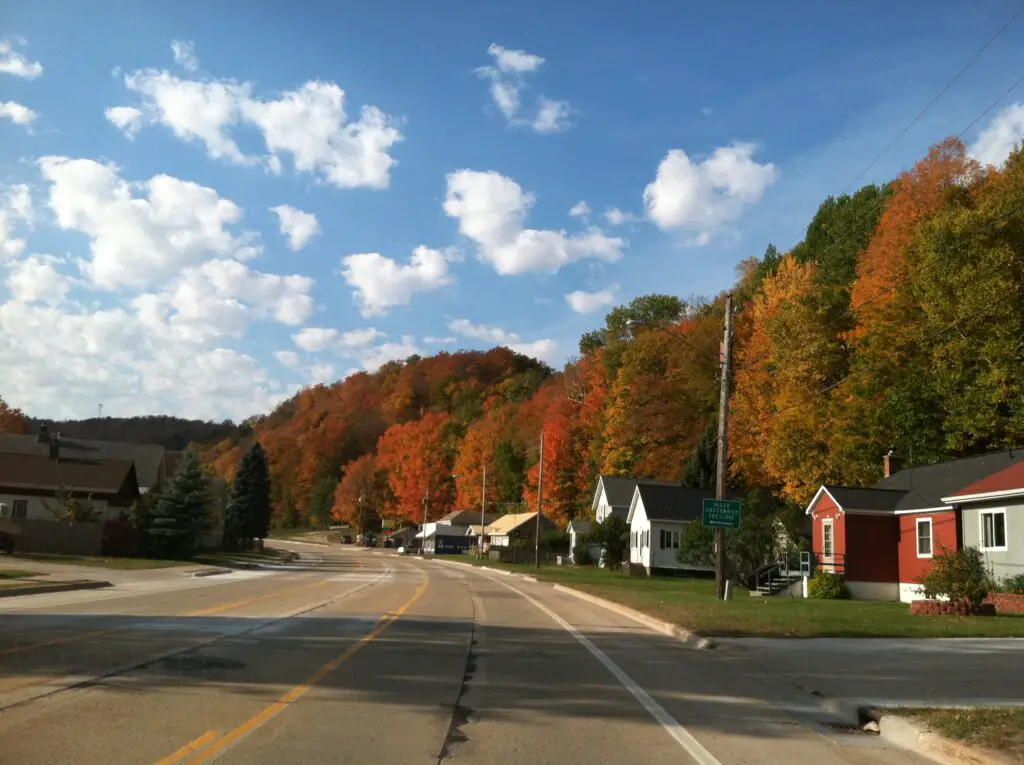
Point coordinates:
[(418, 457), (12, 420), (362, 493)]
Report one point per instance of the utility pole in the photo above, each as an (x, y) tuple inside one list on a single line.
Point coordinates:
[(723, 433), (483, 506), (423, 539), (540, 497)]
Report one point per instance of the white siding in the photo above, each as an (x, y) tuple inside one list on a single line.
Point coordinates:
[(602, 506), (665, 558), (37, 510), (639, 527)]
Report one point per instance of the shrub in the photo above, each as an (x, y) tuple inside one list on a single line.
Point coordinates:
[(1014, 584), (958, 575), (825, 585), (581, 554)]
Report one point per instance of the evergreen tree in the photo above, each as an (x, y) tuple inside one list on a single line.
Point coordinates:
[(249, 507), (181, 513)]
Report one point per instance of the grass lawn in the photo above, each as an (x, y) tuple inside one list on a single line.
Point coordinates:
[(691, 603), (1001, 730), (124, 564), (15, 573)]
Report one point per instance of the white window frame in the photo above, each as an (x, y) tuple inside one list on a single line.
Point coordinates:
[(826, 523), (981, 529), (917, 538)]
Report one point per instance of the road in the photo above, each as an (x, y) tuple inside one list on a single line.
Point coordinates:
[(360, 657)]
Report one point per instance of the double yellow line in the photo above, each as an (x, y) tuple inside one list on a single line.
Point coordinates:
[(210, 744)]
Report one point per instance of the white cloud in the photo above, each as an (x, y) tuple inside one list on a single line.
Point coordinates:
[(617, 217), (545, 350), (357, 338), (314, 339), (507, 81), (12, 62), (17, 113), (288, 359), (15, 208), (35, 279), (308, 124), (580, 210), (588, 302), (381, 282), (482, 332), (552, 116), (322, 373), (440, 340), (127, 119), (375, 356), (138, 240), (297, 225), (185, 55), (490, 209), (704, 195), (1002, 135)]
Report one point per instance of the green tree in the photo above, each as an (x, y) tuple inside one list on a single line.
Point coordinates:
[(181, 514), (249, 506), (321, 499), (613, 535), (67, 508)]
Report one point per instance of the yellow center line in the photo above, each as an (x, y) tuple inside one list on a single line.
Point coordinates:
[(231, 738), (189, 748)]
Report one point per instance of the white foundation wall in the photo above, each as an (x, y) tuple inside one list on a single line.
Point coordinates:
[(874, 590)]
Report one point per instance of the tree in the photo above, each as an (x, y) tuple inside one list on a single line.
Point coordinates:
[(958, 575), (417, 457), (181, 514), (613, 535), (701, 469), (68, 508), (12, 420), (249, 507), (321, 501), (361, 494)]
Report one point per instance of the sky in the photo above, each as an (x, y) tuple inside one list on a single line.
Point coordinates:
[(205, 207)]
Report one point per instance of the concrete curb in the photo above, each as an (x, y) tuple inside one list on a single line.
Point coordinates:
[(690, 639), (39, 589), (297, 542), (906, 733), (211, 572)]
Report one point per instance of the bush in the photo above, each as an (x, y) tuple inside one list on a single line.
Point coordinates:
[(1014, 584), (581, 554), (825, 585), (613, 535), (958, 575)]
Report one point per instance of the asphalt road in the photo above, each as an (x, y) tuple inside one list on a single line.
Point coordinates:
[(356, 657)]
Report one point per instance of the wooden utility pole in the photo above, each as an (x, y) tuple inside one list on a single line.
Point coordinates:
[(540, 497), (483, 506), (723, 433)]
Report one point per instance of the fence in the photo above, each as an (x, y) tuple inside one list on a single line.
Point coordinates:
[(42, 536)]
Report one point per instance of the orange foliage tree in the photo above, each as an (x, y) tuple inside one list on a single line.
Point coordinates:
[(361, 494), (417, 457), (12, 420)]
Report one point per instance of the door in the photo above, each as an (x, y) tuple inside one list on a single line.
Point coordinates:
[(828, 557)]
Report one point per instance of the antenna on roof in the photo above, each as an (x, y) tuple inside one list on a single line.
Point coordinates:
[(99, 412)]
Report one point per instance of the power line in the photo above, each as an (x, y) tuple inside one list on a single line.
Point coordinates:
[(992, 105)]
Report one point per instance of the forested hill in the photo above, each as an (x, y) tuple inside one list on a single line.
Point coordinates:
[(896, 322), (173, 433)]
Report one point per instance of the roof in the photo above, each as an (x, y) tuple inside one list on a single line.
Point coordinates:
[(31, 471), (925, 486), (1008, 479), (147, 457), (853, 498), (464, 517), (445, 530), (580, 527), (506, 524), (672, 502), (618, 489)]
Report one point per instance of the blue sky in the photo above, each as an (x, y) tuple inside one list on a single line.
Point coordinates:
[(426, 165)]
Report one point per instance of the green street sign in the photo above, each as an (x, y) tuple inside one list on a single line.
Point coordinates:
[(721, 513)]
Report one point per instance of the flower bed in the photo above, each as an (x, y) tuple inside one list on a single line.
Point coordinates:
[(946, 608)]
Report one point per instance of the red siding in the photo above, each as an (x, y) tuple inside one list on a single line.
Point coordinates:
[(826, 508), (871, 548), (945, 531)]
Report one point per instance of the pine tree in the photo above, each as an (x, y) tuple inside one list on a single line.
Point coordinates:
[(181, 514), (249, 508)]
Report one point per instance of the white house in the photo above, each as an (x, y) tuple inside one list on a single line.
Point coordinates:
[(614, 494), (658, 516), (578, 531)]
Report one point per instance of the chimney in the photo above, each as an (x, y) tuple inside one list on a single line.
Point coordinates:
[(44, 433), (55, 449), (891, 463)]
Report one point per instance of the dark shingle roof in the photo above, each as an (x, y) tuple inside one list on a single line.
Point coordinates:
[(618, 489), (466, 517), (852, 498), (672, 502), (30, 471), (925, 486), (147, 457)]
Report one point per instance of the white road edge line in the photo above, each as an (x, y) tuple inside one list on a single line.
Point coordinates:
[(683, 737)]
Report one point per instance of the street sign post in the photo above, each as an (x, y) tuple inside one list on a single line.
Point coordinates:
[(721, 513)]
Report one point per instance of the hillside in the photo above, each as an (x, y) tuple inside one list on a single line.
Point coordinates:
[(172, 433)]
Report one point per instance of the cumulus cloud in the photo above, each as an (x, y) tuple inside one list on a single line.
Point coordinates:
[(381, 283), (580, 210), (309, 124), (1002, 135), (546, 349), (617, 217), (588, 302), (185, 55), (703, 195), (127, 119), (314, 339), (491, 208), (374, 357), (17, 113), (34, 279), (289, 359), (507, 81), (13, 62), (15, 212), (141, 233), (298, 226), (448, 340)]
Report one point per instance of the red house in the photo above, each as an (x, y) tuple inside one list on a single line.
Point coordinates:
[(882, 538)]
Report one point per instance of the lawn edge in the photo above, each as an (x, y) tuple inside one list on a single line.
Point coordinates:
[(909, 734), (38, 589)]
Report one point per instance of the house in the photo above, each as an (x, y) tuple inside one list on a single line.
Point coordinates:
[(400, 537), (516, 529), (614, 494), (882, 538), (444, 538), (467, 518), (578, 531), (658, 516)]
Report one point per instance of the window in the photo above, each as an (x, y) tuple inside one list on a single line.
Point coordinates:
[(924, 537), (20, 509), (675, 539), (993, 530), (665, 538), (826, 538)]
